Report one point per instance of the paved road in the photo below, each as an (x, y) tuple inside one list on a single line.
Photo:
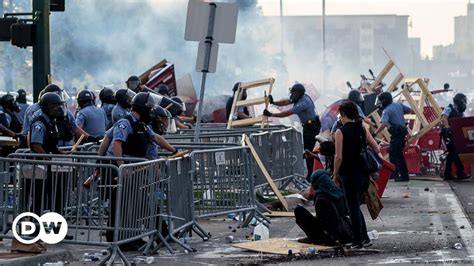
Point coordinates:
[(421, 222)]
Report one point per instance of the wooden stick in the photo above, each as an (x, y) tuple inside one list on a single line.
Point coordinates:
[(265, 173), (74, 148), (169, 106)]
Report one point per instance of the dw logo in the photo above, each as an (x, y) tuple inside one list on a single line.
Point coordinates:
[(52, 228)]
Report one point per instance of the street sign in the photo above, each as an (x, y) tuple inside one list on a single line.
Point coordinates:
[(197, 21), (201, 58)]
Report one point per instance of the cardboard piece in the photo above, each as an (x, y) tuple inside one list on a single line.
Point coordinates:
[(279, 246), (265, 173), (243, 87)]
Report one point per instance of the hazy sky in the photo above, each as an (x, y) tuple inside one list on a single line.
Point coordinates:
[(432, 20)]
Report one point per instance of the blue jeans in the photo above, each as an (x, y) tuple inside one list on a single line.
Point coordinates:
[(354, 188)]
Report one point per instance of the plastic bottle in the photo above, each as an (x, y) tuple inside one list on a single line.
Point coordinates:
[(458, 246), (261, 232), (373, 235)]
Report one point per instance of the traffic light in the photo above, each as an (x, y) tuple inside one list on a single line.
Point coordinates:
[(57, 6), (5, 25), (23, 35)]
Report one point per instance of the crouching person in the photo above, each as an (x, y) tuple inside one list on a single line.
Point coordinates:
[(331, 225)]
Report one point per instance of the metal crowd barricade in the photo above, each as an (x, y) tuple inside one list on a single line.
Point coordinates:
[(223, 183), (287, 158), (40, 183), (263, 147)]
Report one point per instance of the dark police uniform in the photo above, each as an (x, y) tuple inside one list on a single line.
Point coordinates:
[(393, 118), (452, 156), (10, 120), (118, 112), (65, 127), (108, 107), (44, 131), (305, 110)]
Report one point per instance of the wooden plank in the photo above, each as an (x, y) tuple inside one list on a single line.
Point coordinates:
[(423, 131), (144, 77), (431, 99), (275, 214), (248, 121), (265, 173), (279, 246), (257, 83), (382, 74), (378, 119), (250, 102), (232, 109), (395, 82), (414, 107)]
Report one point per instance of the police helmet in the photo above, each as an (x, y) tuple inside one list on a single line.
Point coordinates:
[(143, 103), (446, 86), (460, 100), (163, 89), (21, 98), (84, 98), (296, 92), (8, 102), (160, 112), (160, 119), (384, 99), (355, 96), (124, 97), (133, 83), (107, 95), (236, 86), (52, 105), (56, 89), (183, 105)]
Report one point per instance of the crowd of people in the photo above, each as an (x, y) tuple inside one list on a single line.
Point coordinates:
[(131, 122)]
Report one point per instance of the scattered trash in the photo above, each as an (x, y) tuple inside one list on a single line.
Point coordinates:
[(458, 246), (290, 252), (234, 230), (230, 227), (462, 227), (312, 251), (145, 259), (59, 263), (427, 189), (439, 233), (373, 235), (253, 222), (91, 257), (431, 224), (261, 232), (231, 215), (229, 239), (406, 195)]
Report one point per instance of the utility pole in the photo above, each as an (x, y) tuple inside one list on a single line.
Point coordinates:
[(41, 49)]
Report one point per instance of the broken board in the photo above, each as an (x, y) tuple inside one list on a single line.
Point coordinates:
[(279, 246), (265, 172), (275, 214)]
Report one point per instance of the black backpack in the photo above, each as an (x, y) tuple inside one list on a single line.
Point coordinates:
[(334, 219)]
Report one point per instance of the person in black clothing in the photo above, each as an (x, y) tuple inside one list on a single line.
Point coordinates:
[(350, 140), (455, 110), (331, 225), (242, 112)]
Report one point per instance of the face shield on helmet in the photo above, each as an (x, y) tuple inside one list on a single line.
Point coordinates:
[(57, 110), (172, 126)]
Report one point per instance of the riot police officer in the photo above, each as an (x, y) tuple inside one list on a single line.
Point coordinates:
[(124, 102), (393, 119), (454, 110), (21, 101), (90, 118), (163, 89), (8, 113), (44, 139), (134, 83), (107, 99), (303, 107), (160, 118), (66, 126)]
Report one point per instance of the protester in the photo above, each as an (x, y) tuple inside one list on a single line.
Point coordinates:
[(393, 119), (454, 110), (349, 172), (304, 108), (331, 225)]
